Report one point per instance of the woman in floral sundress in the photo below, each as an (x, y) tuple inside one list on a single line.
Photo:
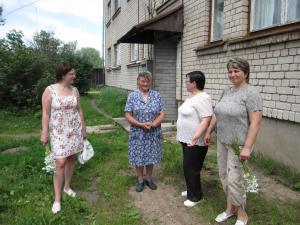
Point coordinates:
[(63, 121)]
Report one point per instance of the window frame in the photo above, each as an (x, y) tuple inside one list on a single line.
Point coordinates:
[(134, 53), (283, 21), (117, 55), (211, 23), (109, 57), (119, 5)]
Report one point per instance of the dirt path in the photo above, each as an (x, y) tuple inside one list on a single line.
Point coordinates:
[(164, 206)]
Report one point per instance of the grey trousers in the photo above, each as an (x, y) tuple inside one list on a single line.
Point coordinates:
[(232, 175)]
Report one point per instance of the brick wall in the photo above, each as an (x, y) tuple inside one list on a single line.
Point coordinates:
[(274, 61)]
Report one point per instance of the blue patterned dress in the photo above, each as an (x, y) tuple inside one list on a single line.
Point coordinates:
[(144, 147)]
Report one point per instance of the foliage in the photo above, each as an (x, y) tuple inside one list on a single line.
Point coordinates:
[(2, 21), (26, 69), (92, 55)]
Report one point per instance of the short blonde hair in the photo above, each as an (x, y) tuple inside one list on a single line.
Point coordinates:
[(145, 74)]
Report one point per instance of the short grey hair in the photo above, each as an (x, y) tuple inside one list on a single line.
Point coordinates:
[(241, 64), (145, 74)]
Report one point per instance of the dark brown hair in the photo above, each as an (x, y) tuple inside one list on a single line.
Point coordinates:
[(198, 77), (62, 69)]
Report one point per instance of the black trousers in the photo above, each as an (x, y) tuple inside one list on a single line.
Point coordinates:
[(193, 158)]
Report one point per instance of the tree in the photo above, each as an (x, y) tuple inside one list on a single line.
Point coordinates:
[(92, 55), (2, 21), (26, 70)]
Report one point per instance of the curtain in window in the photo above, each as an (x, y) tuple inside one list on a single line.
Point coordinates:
[(218, 19), (293, 10), (266, 13)]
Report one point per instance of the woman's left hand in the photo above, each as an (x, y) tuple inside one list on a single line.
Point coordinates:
[(245, 153), (84, 132)]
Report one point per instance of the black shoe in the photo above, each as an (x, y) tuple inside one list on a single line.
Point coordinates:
[(139, 187), (150, 184)]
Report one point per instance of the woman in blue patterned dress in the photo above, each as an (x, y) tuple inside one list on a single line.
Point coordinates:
[(144, 110)]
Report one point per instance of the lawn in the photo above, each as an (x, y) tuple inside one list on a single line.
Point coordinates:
[(103, 183), (112, 100)]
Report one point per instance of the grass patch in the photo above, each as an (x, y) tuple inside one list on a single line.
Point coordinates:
[(27, 195), (292, 177), (260, 210), (19, 121), (112, 100), (91, 116)]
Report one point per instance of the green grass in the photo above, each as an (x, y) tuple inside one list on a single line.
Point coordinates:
[(17, 122), (290, 176), (260, 210), (112, 100), (92, 117), (26, 190)]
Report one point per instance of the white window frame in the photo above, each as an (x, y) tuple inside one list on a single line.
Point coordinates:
[(284, 16), (117, 55), (212, 23), (134, 52)]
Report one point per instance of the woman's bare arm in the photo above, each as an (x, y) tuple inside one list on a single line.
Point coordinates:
[(255, 123), (159, 119), (201, 129), (79, 108), (46, 110)]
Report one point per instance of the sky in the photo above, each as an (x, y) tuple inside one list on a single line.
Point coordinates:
[(71, 20)]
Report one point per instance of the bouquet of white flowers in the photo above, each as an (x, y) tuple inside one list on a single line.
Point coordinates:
[(49, 160), (251, 181)]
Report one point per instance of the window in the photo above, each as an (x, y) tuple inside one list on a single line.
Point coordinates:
[(117, 55), (117, 4), (108, 12), (144, 51), (134, 52), (217, 18), (270, 13), (109, 57)]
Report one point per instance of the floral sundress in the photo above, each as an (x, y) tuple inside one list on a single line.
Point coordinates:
[(65, 127)]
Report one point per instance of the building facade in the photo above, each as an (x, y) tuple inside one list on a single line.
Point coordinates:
[(171, 38)]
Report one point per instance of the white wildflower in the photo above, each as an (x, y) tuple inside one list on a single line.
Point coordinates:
[(49, 161)]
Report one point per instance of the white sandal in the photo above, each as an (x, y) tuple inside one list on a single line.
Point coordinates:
[(56, 207), (222, 217), (70, 192), (239, 222)]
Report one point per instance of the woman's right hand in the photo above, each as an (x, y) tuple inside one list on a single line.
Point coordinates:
[(207, 138), (44, 138)]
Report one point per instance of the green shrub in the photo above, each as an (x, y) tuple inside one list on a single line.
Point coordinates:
[(26, 69)]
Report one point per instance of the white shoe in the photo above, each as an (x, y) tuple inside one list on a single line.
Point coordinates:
[(190, 204), (222, 217), (239, 222), (56, 207), (70, 192), (184, 194)]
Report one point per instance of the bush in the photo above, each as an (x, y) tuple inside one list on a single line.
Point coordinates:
[(27, 69)]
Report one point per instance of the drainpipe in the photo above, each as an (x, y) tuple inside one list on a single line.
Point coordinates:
[(181, 62), (103, 39)]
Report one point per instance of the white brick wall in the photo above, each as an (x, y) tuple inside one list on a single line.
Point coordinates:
[(274, 60)]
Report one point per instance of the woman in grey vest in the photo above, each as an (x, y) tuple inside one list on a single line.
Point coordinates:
[(237, 117)]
